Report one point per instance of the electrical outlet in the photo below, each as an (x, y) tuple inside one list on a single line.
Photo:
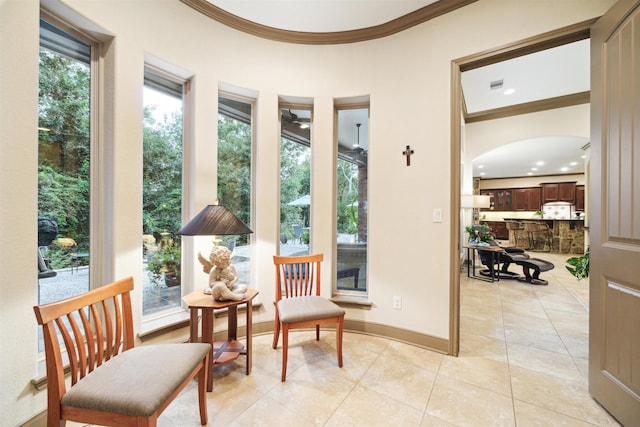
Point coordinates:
[(397, 302)]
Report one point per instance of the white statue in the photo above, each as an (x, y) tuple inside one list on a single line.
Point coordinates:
[(222, 275)]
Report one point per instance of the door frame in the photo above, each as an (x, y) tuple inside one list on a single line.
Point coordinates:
[(559, 37)]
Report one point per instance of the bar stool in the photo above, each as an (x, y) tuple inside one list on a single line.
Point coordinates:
[(518, 231), (539, 232)]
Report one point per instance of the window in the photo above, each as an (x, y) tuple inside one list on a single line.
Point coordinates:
[(235, 147), (64, 164), (162, 192), (295, 180), (351, 203)]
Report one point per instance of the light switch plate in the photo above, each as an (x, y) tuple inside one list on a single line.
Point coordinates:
[(437, 215)]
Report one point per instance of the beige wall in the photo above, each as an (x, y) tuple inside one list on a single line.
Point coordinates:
[(487, 135), (407, 77)]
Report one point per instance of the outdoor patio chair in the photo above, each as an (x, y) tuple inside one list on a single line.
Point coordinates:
[(297, 233), (44, 267)]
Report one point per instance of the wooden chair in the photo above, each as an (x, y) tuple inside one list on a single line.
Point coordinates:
[(112, 383), (299, 304)]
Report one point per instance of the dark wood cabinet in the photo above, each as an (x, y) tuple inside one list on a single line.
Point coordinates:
[(514, 199), (526, 199), (501, 200), (559, 192), (579, 198)]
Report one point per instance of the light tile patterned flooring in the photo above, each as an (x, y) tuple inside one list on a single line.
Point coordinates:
[(523, 362)]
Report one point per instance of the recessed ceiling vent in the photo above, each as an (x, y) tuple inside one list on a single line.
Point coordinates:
[(497, 84)]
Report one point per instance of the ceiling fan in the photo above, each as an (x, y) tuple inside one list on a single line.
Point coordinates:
[(289, 116), (358, 153)]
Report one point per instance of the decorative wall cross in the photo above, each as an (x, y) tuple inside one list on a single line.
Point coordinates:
[(408, 152)]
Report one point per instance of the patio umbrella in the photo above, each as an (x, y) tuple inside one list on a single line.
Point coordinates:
[(301, 201)]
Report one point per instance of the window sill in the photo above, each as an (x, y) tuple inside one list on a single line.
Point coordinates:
[(352, 301)]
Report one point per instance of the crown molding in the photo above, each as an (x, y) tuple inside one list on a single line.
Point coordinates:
[(397, 25)]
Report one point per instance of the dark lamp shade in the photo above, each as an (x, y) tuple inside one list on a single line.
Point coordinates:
[(214, 220)]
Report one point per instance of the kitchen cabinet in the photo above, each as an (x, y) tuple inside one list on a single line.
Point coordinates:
[(526, 199), (500, 199), (503, 200), (514, 199), (579, 198), (559, 192)]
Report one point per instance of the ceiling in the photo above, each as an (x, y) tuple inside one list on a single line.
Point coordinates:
[(548, 74), (551, 73), (320, 15)]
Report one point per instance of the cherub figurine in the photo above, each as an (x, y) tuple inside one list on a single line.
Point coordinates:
[(222, 275)]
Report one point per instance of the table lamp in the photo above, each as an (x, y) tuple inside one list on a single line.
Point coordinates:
[(214, 220), (475, 202)]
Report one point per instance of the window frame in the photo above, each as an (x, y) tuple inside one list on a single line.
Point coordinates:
[(170, 315), (295, 104), (252, 209), (343, 295), (96, 193), (96, 165)]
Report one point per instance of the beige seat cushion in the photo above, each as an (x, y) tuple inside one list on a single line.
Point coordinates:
[(298, 309), (137, 381)]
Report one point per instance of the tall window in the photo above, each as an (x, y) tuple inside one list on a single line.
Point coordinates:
[(162, 192), (64, 164), (295, 181), (235, 174), (352, 204)]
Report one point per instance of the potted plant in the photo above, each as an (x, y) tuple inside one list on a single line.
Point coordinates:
[(164, 263), (479, 234), (579, 266)]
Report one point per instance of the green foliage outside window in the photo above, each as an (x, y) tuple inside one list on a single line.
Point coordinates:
[(63, 151), (347, 197), (234, 169), (162, 174), (295, 182)]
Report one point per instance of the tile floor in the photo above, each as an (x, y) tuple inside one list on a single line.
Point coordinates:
[(523, 361)]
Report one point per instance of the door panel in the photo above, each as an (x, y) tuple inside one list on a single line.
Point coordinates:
[(614, 333)]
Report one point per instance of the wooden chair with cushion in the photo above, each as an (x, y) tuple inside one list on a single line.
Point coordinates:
[(299, 304), (112, 383)]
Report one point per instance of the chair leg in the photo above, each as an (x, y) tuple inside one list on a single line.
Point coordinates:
[(285, 351), (276, 332), (339, 330), (317, 332), (202, 390)]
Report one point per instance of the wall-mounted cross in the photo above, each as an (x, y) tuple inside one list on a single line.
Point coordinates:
[(408, 152)]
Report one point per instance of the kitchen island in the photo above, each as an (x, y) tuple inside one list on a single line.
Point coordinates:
[(567, 235)]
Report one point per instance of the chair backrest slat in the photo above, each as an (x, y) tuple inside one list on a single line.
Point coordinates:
[(297, 275), (69, 343), (99, 338), (90, 341), (111, 340), (86, 345)]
